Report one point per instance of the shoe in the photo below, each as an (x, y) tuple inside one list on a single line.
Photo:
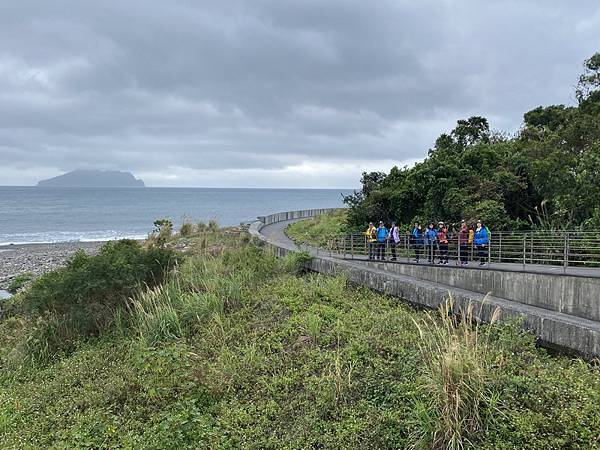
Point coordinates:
[(481, 264), (415, 260), (393, 259)]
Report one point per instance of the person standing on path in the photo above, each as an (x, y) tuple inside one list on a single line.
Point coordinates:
[(430, 242), (463, 244), (371, 238), (382, 235), (481, 240), (394, 238), (417, 240), (443, 243)]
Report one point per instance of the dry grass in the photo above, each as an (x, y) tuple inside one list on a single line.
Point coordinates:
[(457, 381)]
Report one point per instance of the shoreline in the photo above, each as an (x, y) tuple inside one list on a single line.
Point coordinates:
[(38, 259)]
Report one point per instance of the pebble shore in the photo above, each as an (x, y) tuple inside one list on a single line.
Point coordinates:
[(38, 258)]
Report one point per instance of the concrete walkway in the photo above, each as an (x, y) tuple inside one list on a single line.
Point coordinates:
[(276, 232)]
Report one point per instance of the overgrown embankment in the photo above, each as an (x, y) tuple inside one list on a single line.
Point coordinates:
[(231, 348), (318, 230)]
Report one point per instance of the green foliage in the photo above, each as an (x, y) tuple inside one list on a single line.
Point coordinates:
[(296, 262), (19, 282), (187, 229), (80, 300), (163, 230), (472, 173), (235, 350)]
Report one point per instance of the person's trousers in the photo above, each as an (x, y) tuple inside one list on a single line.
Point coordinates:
[(444, 252), (393, 249), (482, 253), (464, 253), (417, 248), (381, 250), (372, 250), (430, 252)]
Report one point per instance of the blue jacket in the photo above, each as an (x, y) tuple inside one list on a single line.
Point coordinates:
[(430, 236), (382, 234), (417, 236), (481, 237)]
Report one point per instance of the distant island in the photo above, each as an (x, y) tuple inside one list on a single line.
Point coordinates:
[(93, 178)]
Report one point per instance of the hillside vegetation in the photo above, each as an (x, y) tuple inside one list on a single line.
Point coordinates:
[(547, 176), (227, 347), (318, 229)]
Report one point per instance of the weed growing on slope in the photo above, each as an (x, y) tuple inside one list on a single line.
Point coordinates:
[(459, 368)]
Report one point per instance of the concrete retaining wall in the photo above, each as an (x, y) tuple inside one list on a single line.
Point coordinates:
[(290, 215), (574, 295), (565, 327)]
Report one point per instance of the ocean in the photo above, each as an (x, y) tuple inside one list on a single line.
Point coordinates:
[(45, 215)]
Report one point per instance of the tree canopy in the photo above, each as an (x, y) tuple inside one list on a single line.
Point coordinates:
[(547, 175)]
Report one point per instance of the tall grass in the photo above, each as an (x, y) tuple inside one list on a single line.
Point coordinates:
[(457, 399)]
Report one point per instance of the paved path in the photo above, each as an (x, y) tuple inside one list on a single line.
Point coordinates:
[(276, 232)]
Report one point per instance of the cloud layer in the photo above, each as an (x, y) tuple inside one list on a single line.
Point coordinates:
[(270, 92)]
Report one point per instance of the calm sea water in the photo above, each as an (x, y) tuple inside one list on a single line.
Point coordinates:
[(32, 214)]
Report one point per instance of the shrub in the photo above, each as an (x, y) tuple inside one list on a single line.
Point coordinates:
[(187, 229), (163, 230), (19, 282), (80, 299), (295, 262)]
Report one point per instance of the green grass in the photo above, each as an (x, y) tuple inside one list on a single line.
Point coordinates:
[(236, 349), (318, 230)]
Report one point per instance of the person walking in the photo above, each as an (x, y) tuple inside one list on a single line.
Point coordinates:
[(481, 240), (430, 240), (394, 238), (463, 244), (382, 235), (443, 243), (371, 238), (417, 240)]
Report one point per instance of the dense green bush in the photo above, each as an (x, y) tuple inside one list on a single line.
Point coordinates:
[(80, 299)]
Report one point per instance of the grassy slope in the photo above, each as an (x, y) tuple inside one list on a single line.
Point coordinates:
[(317, 230), (240, 351)]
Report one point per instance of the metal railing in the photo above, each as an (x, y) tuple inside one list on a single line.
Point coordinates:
[(560, 248)]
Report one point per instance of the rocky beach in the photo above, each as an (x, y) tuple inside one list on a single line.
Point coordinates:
[(38, 258)]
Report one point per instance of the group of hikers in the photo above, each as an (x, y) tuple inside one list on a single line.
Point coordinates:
[(432, 241)]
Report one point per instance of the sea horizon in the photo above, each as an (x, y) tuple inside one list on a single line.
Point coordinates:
[(47, 215)]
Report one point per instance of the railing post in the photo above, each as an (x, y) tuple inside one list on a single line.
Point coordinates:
[(500, 248), (524, 250), (352, 245), (566, 252), (489, 249), (531, 249)]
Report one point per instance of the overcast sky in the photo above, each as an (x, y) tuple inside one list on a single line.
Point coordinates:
[(270, 93)]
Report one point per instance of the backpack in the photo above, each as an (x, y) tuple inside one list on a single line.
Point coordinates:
[(489, 233)]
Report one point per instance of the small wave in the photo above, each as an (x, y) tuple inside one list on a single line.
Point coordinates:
[(66, 237)]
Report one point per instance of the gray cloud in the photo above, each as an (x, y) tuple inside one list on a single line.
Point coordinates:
[(268, 92)]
